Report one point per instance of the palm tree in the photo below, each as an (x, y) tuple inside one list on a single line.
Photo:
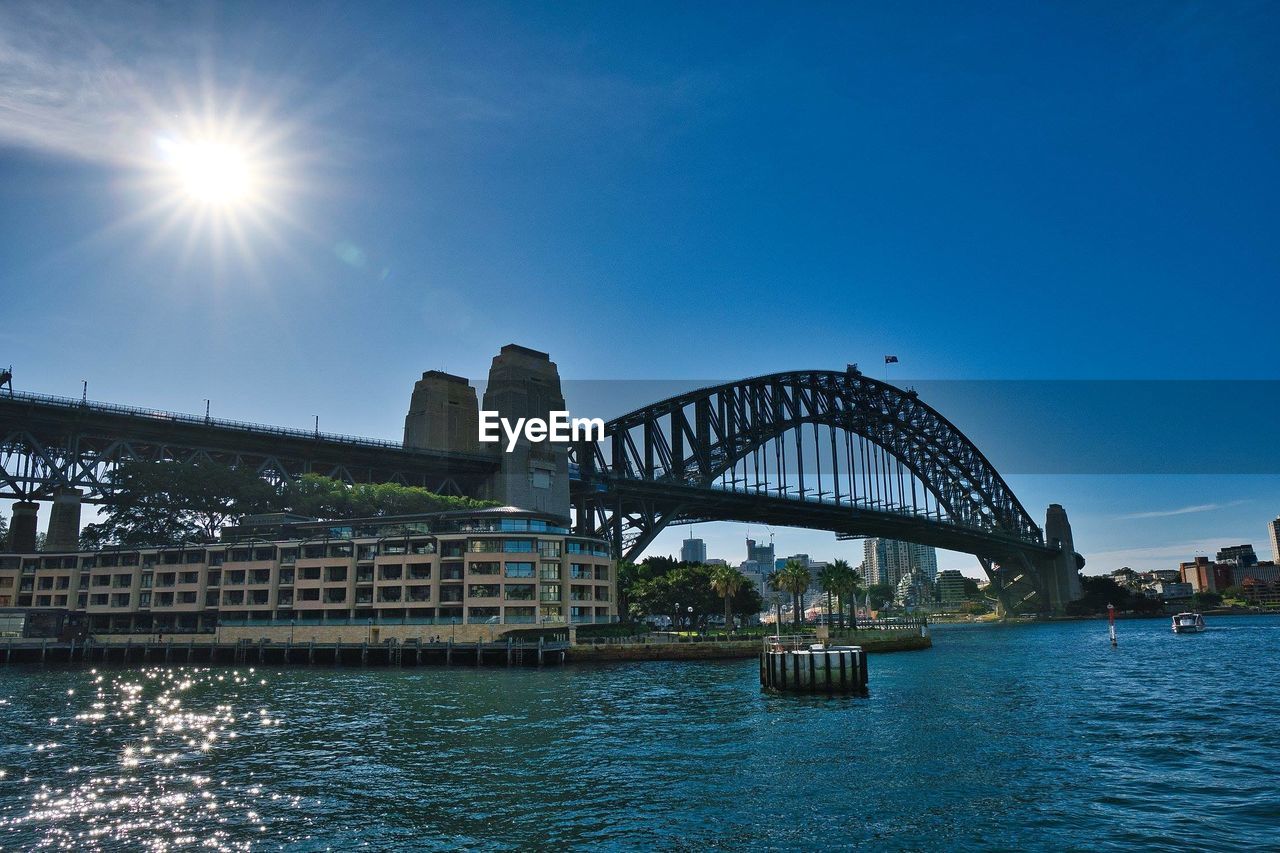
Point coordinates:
[(829, 582), (775, 582), (795, 580), (846, 584), (726, 582)]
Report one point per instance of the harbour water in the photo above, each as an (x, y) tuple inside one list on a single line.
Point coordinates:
[(1021, 736)]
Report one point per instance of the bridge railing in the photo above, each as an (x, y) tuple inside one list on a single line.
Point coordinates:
[(161, 416)]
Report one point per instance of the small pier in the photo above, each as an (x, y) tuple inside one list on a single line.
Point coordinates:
[(204, 651), (806, 664)]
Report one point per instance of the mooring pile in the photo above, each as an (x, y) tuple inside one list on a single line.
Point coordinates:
[(806, 664)]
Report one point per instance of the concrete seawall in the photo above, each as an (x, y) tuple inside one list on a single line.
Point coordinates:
[(871, 641)]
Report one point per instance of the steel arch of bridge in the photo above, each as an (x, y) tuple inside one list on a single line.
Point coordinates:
[(827, 450)]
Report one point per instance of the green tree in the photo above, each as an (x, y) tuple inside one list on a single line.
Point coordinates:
[(846, 583), (727, 581), (881, 594), (796, 580), (1099, 591), (1205, 600), (676, 590), (775, 583), (828, 580), (327, 498), (166, 503)]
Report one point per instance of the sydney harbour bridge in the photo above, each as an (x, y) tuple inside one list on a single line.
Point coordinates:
[(827, 450)]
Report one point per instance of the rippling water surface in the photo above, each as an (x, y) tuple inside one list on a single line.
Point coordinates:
[(1038, 736)]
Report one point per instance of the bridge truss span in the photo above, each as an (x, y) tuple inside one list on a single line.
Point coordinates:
[(828, 450)]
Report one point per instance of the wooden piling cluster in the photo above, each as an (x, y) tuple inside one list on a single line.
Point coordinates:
[(503, 652), (799, 667)]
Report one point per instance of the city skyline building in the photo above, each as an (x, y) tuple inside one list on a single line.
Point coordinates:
[(760, 553), (888, 560), (693, 550), (1273, 528)]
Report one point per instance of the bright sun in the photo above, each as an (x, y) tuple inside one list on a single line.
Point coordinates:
[(210, 172)]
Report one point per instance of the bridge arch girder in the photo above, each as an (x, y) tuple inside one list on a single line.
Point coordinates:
[(694, 439)]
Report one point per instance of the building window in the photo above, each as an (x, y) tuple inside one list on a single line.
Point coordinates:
[(393, 572), (484, 614), (484, 568), (549, 571), (602, 573), (309, 573), (519, 570), (419, 571), (389, 593), (480, 590), (519, 615), (335, 574), (520, 591), (549, 548), (484, 546), (549, 592), (309, 595), (551, 613), (518, 546), (581, 572), (190, 577)]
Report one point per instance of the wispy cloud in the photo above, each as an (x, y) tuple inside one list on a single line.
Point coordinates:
[(72, 80), (1152, 557), (1186, 510)]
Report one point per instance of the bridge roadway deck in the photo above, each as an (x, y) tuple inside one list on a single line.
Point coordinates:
[(693, 504), (77, 435)]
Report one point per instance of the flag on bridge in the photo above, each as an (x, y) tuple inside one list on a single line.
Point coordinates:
[(890, 359)]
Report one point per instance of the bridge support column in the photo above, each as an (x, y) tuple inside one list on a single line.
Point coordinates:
[(525, 383), (64, 521), (23, 526), (1062, 574)]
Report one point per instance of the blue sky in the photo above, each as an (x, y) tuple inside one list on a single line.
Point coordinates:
[(990, 191)]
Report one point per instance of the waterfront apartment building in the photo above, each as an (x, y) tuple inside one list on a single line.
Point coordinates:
[(889, 560), (693, 551), (950, 586), (1273, 529), (500, 566)]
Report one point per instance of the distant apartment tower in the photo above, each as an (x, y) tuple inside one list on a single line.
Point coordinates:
[(693, 551), (951, 586), (888, 560), (1273, 527), (1239, 555)]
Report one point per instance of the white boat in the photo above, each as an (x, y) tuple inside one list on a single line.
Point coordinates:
[(1188, 623)]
